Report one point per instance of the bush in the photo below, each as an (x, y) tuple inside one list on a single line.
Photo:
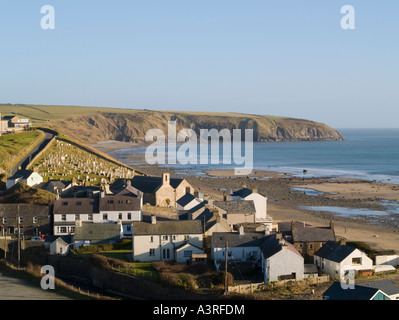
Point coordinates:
[(219, 278), (184, 280)]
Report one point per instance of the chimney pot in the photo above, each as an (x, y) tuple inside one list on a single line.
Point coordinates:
[(153, 219)]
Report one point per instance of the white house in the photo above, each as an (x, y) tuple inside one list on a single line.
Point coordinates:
[(58, 244), (337, 260), (187, 202), (29, 177), (387, 257), (260, 203), (281, 260), (173, 240), (125, 206), (243, 246)]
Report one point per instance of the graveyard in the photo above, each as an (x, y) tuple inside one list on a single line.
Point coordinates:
[(65, 161)]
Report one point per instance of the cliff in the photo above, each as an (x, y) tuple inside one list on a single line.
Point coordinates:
[(132, 126)]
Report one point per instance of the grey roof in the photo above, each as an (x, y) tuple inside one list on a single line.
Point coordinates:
[(311, 234), (119, 203), (244, 192), (148, 184), (236, 206), (53, 185), (333, 251), (385, 285), (234, 239), (11, 210), (272, 245), (167, 227), (76, 206), (97, 231), (24, 174), (50, 238), (336, 292), (186, 199)]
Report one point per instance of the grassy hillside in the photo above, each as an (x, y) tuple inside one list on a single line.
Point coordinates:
[(93, 124), (14, 147)]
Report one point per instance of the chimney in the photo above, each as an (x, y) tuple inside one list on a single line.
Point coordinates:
[(102, 194), (57, 197), (153, 219), (331, 224), (129, 182), (196, 193), (241, 230), (78, 223), (279, 236), (224, 196), (292, 225), (244, 185), (255, 190), (267, 230)]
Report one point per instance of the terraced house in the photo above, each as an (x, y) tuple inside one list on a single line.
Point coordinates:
[(124, 206)]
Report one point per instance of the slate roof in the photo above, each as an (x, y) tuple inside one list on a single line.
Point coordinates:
[(236, 206), (171, 227), (148, 184), (50, 238), (24, 174), (11, 210), (52, 185), (76, 206), (234, 239), (359, 292), (333, 251), (97, 231), (313, 234), (243, 193), (186, 199), (272, 245), (385, 285), (119, 203)]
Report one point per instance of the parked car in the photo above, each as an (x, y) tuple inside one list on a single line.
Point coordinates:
[(36, 239)]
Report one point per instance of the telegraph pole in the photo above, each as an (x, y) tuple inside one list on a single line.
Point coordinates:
[(225, 269), (19, 240)]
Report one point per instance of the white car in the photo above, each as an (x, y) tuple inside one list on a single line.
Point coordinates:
[(36, 239)]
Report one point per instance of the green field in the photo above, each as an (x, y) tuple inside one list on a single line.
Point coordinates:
[(14, 147)]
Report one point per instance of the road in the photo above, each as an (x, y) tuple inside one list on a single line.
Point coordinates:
[(23, 163), (16, 289)]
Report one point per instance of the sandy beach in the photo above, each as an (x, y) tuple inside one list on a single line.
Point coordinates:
[(285, 204)]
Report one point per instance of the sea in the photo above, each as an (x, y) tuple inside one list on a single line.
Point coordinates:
[(370, 154)]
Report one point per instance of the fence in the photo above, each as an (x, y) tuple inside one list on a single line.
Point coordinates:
[(251, 287)]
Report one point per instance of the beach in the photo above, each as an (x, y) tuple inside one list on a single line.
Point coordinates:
[(285, 203)]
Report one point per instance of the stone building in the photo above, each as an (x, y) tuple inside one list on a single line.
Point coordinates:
[(32, 219)]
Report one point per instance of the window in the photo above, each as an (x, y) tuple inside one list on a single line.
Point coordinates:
[(129, 228), (5, 220), (79, 203), (129, 216), (63, 230), (301, 245), (129, 201), (311, 247), (90, 217), (110, 201), (173, 237), (120, 201), (356, 260), (164, 237), (152, 252), (186, 237), (21, 219), (166, 253), (120, 216), (35, 220), (151, 239), (77, 216), (63, 217), (105, 216)]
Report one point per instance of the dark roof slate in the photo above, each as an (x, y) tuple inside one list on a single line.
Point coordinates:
[(311, 234), (236, 206), (167, 227), (333, 251)]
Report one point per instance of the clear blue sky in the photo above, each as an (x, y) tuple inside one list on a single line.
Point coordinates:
[(286, 57)]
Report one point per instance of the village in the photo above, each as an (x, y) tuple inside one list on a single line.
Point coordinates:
[(166, 219)]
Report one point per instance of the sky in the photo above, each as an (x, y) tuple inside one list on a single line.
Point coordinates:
[(285, 58)]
